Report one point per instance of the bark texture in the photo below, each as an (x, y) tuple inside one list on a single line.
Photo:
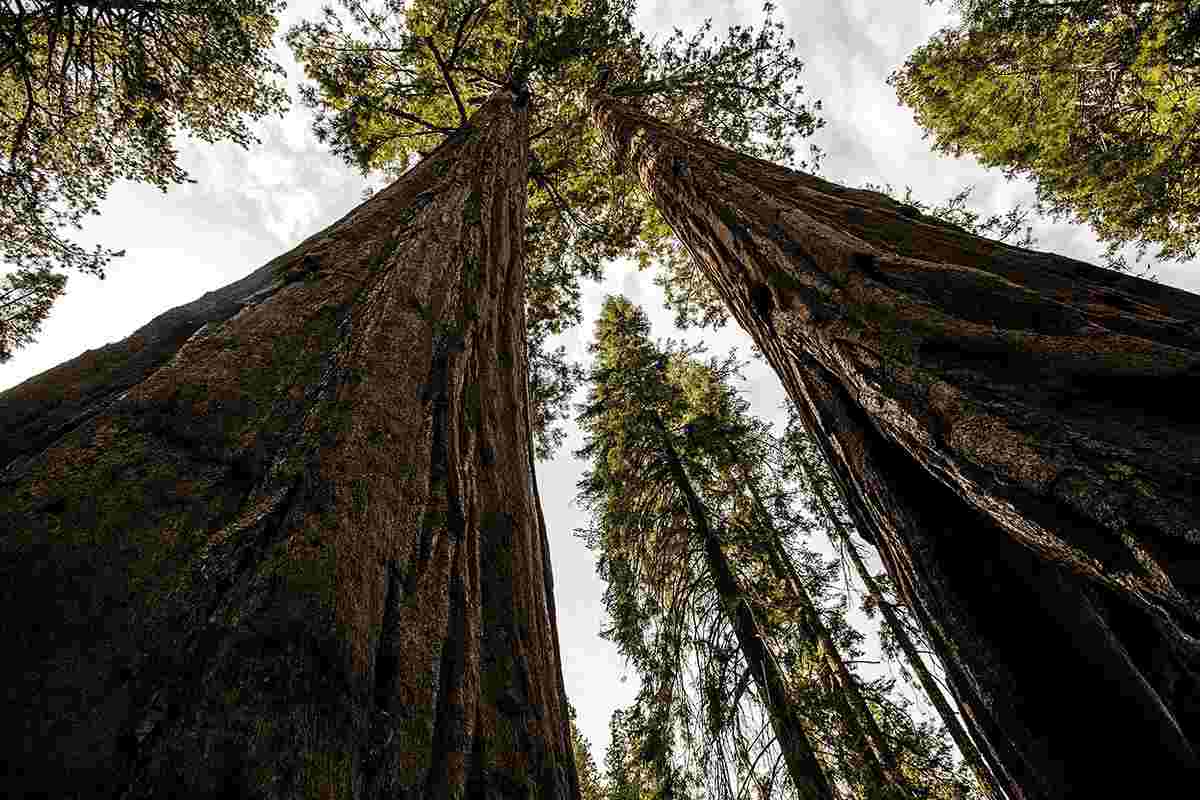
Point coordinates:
[(1014, 430), (284, 541)]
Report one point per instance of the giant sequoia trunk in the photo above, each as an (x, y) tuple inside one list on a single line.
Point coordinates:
[(283, 541), (1013, 430)]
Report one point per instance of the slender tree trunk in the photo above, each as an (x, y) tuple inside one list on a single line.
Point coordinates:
[(857, 715), (808, 777), (1014, 430), (959, 734), (876, 750), (283, 541)]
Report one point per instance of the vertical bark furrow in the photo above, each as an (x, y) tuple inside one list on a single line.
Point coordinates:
[(258, 571), (980, 407)]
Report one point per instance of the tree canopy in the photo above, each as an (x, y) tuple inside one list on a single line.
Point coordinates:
[(26, 296), (93, 92), (1098, 101), (390, 80)]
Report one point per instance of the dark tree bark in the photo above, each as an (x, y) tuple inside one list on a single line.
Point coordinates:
[(808, 778), (284, 541), (899, 630), (1014, 430)]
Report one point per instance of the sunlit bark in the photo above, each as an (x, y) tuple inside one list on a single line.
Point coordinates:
[(284, 541), (1013, 429)]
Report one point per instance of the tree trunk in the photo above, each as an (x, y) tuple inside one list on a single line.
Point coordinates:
[(808, 778), (1012, 429), (860, 722), (959, 734), (283, 541)]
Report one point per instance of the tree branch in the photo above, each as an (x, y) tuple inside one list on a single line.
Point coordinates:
[(437, 57), (541, 133)]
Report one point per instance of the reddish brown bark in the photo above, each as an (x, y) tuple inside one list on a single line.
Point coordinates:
[(1013, 429), (284, 541)]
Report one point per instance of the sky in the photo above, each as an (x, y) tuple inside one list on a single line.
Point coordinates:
[(247, 206)]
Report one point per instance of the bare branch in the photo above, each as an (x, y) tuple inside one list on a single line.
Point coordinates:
[(541, 133), (437, 57)]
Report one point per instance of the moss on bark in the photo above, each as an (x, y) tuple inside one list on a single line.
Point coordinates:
[(246, 544), (971, 398)]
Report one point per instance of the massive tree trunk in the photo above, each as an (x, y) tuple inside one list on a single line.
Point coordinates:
[(808, 777), (283, 541), (1014, 430)]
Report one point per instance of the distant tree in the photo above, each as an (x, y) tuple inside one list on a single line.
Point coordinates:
[(673, 593), (93, 92), (1098, 101), (25, 300), (715, 605), (591, 781), (633, 766)]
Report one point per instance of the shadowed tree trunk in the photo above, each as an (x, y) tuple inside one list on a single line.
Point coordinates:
[(284, 541), (808, 778), (1014, 430), (899, 630)]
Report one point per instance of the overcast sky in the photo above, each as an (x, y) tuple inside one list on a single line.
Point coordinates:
[(249, 206)]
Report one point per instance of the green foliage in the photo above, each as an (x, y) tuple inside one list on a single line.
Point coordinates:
[(1013, 226), (390, 82), (1098, 101), (553, 379), (94, 92), (741, 91), (662, 605), (688, 293), (591, 782), (25, 300), (698, 721)]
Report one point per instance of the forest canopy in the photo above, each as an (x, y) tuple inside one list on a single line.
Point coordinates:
[(92, 93), (390, 80), (1097, 101)]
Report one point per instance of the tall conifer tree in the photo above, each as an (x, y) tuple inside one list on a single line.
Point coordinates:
[(1096, 101), (1008, 427), (691, 509), (285, 540)]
